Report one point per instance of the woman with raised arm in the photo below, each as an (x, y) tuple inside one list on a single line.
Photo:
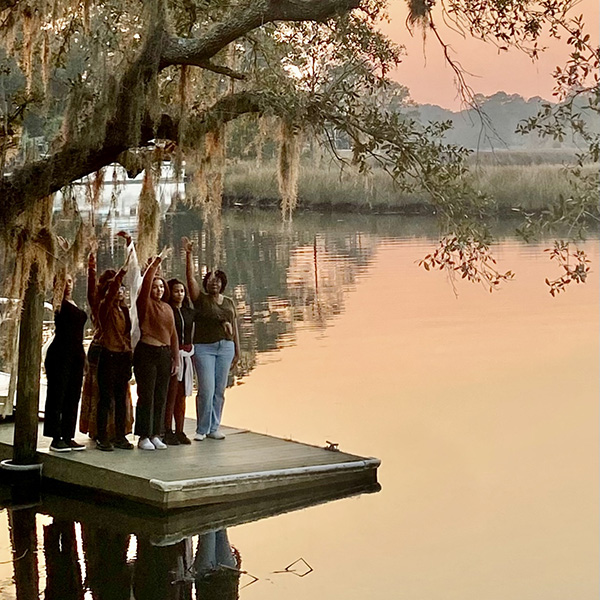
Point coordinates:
[(64, 370), (156, 358), (216, 345), (97, 288), (114, 364), (180, 386)]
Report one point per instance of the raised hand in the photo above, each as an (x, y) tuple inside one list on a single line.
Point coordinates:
[(187, 244), (62, 242), (125, 236)]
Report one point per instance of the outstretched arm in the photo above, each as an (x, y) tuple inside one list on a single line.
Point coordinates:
[(111, 295), (145, 289), (192, 284)]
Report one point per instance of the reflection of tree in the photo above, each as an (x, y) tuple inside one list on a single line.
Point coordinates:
[(320, 275), (282, 277)]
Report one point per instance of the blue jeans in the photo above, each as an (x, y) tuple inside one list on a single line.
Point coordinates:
[(212, 362)]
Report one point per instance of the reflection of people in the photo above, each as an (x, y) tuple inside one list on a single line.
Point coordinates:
[(107, 573), (162, 572), (64, 370), (217, 567), (181, 383), (63, 574), (156, 358), (216, 347)]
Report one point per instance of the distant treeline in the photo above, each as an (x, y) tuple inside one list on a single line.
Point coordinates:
[(494, 125)]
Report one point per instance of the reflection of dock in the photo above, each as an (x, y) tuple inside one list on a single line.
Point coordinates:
[(169, 528), (246, 465)]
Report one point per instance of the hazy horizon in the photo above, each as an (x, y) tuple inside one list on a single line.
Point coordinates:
[(431, 81)]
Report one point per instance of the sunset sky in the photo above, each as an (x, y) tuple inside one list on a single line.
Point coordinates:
[(431, 81)]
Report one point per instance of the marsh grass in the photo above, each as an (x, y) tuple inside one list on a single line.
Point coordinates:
[(529, 187)]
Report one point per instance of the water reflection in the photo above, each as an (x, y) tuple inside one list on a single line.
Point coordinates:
[(217, 567), (63, 572), (108, 575), (124, 552), (283, 277)]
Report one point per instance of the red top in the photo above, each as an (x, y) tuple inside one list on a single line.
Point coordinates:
[(114, 324), (156, 316)]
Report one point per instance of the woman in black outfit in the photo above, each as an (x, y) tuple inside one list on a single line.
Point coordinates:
[(181, 383), (64, 370)]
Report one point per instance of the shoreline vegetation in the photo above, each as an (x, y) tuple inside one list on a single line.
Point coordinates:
[(514, 180)]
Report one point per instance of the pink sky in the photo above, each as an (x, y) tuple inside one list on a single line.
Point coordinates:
[(430, 80)]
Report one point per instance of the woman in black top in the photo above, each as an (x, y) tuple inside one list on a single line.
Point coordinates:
[(216, 348), (181, 383), (64, 370)]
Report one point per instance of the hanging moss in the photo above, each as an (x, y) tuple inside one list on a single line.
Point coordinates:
[(418, 11), (208, 165), (30, 30), (33, 241), (46, 57), (148, 218), (288, 167)]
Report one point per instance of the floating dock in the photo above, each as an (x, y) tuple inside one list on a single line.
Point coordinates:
[(245, 465)]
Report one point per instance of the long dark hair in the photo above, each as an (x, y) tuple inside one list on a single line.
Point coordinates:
[(166, 293), (186, 299)]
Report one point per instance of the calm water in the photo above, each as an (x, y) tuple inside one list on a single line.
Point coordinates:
[(482, 408)]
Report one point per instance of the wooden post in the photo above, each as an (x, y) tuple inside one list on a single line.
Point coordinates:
[(30, 358)]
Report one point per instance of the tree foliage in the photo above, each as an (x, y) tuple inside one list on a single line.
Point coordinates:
[(85, 84)]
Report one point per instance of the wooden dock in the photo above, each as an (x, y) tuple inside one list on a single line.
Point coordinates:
[(246, 465)]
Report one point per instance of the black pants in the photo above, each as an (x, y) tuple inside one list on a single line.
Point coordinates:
[(64, 371), (114, 373), (152, 368)]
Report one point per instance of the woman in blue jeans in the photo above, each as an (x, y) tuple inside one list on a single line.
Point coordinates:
[(216, 348)]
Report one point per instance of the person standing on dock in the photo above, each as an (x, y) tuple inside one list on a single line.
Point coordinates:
[(88, 418), (180, 386), (64, 370), (156, 358), (114, 364), (96, 288), (216, 346)]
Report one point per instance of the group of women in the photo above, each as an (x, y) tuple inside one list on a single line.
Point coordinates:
[(164, 335)]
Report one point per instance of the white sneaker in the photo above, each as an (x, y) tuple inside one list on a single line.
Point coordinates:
[(145, 444), (158, 443), (199, 437), (216, 435)]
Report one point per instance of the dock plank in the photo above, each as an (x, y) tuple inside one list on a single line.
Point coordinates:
[(245, 464)]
